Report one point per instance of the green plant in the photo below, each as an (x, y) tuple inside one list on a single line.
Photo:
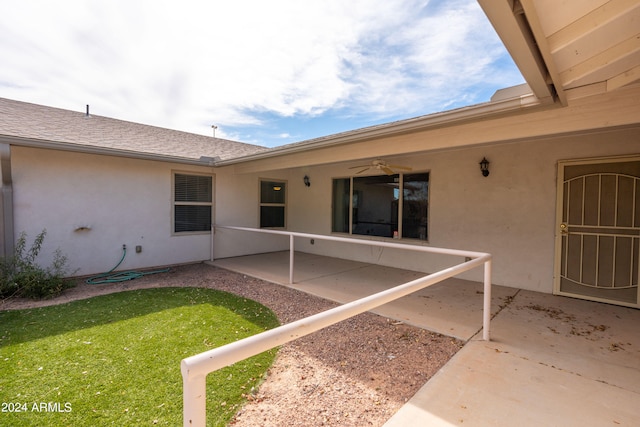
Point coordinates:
[(20, 275)]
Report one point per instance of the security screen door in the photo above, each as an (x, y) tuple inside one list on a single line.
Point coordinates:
[(598, 230)]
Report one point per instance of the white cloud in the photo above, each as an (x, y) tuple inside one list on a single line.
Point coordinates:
[(191, 64)]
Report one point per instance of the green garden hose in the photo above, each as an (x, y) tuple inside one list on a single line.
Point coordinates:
[(121, 276)]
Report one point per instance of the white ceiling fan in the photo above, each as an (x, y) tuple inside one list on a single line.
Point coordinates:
[(380, 165)]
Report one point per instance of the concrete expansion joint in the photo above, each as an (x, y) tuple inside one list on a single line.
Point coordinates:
[(506, 303), (558, 368), (626, 389), (323, 276)]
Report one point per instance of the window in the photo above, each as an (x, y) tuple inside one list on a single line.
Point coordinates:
[(415, 197), (272, 204), (192, 202), (372, 205)]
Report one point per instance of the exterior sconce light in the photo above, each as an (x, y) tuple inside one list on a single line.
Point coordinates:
[(484, 167), (306, 180)]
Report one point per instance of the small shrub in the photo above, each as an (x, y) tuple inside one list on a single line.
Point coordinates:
[(21, 276)]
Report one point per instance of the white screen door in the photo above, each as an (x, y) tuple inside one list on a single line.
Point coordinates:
[(598, 230)]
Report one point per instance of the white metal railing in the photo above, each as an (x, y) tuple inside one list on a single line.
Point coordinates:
[(196, 368)]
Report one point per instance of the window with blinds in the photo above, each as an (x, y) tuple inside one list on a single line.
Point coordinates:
[(192, 202)]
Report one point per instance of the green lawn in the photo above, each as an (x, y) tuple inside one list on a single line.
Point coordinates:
[(115, 359)]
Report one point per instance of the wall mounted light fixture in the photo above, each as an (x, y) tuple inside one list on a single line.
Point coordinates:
[(484, 167), (306, 180)]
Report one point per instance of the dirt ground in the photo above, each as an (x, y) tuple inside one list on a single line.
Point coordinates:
[(356, 373)]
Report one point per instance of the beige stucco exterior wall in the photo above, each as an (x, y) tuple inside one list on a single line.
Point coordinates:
[(510, 214), (237, 204), (123, 201)]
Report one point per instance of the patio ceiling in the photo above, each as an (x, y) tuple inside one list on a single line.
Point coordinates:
[(570, 48)]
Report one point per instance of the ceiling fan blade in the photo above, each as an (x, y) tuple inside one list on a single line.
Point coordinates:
[(387, 170), (380, 165)]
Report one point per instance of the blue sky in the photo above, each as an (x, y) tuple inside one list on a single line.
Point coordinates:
[(268, 73)]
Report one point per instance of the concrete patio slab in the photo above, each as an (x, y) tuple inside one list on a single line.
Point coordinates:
[(453, 307), (552, 361), (483, 387), (597, 341), (274, 266)]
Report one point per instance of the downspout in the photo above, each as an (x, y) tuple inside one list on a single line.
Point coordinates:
[(6, 203)]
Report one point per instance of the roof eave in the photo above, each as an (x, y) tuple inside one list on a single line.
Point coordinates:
[(511, 23), (404, 126), (104, 151)]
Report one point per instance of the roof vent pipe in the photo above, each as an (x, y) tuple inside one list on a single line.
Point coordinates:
[(87, 115)]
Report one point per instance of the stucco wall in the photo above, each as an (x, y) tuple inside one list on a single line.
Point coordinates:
[(510, 214), (237, 204), (123, 201)]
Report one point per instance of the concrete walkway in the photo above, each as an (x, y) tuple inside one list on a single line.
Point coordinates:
[(552, 361)]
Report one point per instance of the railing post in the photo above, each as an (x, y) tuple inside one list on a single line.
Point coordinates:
[(486, 320), (194, 400), (291, 252)]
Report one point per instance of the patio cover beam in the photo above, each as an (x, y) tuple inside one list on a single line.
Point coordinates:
[(510, 21)]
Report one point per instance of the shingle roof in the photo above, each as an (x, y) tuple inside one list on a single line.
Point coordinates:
[(38, 122)]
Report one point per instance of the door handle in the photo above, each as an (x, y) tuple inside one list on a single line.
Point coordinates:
[(564, 228)]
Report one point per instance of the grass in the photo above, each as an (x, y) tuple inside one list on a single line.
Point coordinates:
[(115, 359)]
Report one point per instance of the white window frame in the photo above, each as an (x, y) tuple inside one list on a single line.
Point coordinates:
[(175, 203), (400, 207), (262, 204)]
